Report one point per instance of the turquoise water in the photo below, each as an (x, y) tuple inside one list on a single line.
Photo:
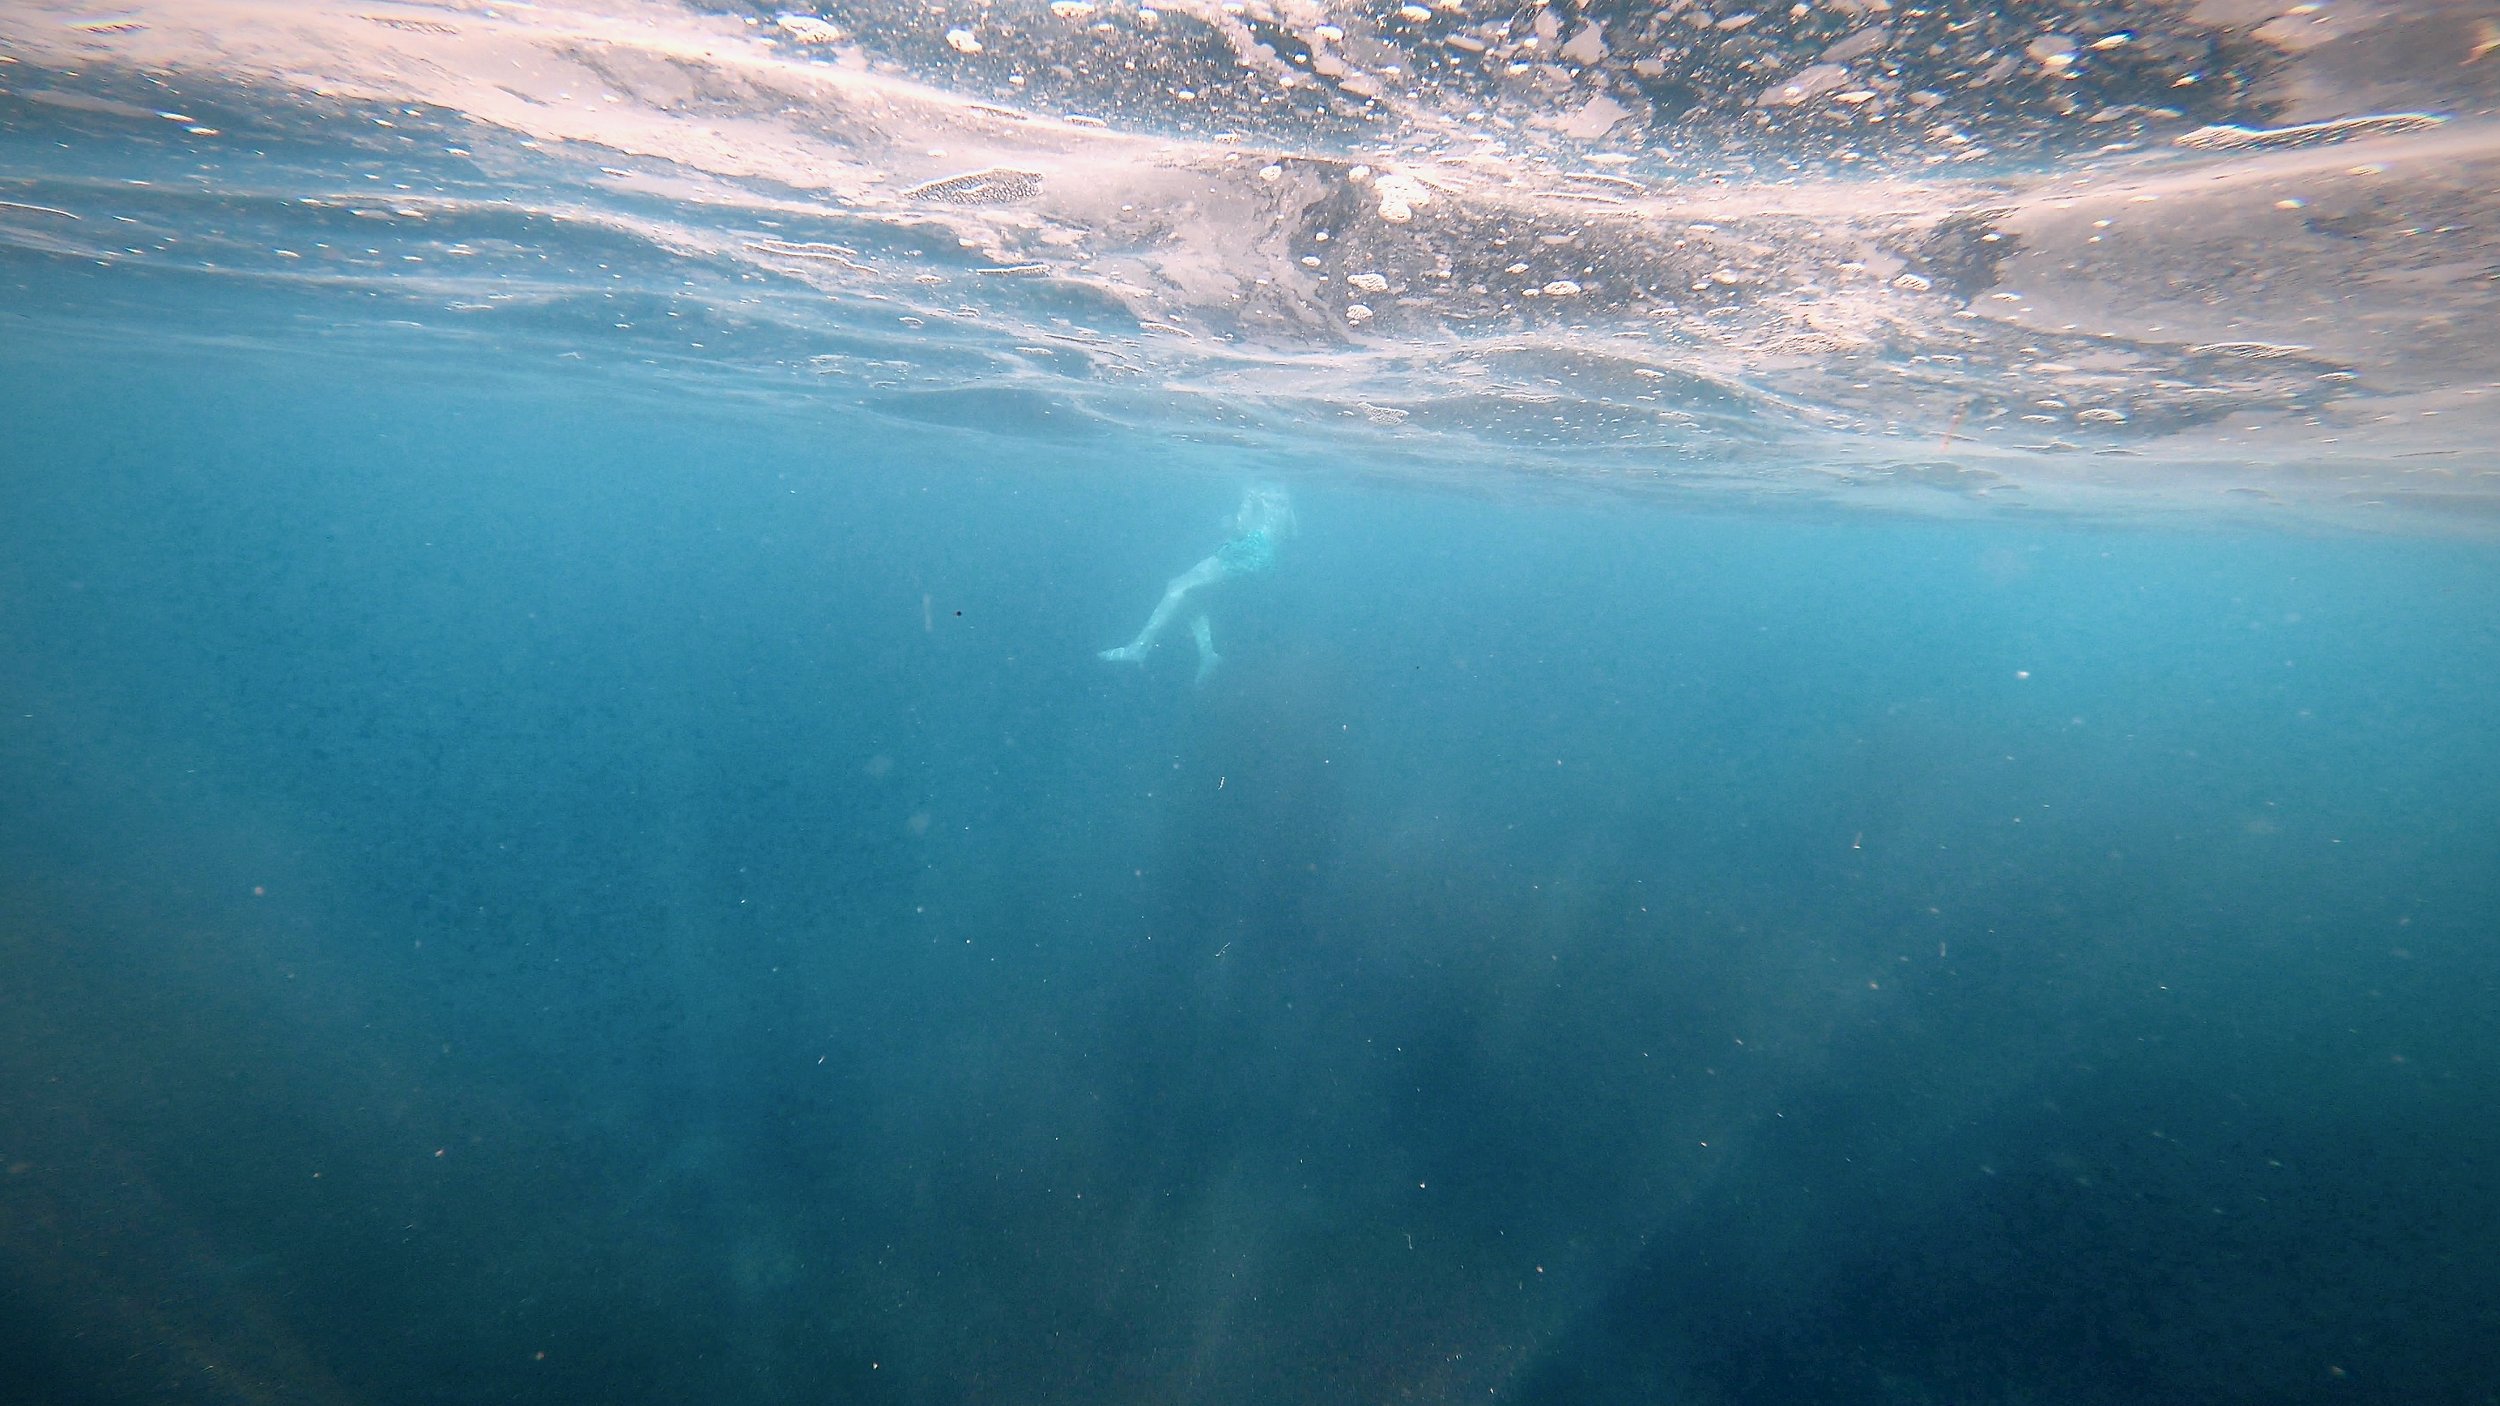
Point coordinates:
[(1865, 773), (548, 894)]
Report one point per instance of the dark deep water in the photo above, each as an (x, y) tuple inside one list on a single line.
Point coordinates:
[(521, 892)]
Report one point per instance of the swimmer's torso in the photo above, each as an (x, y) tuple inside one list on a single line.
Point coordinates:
[(1247, 554)]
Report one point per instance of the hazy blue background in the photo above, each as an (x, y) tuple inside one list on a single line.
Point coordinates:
[(517, 890)]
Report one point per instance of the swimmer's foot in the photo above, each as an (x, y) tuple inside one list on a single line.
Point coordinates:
[(1206, 665), (1125, 654)]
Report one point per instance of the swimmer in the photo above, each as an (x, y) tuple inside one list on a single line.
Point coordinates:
[(1264, 518)]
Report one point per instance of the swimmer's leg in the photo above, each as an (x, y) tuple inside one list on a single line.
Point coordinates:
[(1204, 573), (1207, 657)]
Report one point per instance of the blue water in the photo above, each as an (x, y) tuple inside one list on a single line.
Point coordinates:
[(524, 887)]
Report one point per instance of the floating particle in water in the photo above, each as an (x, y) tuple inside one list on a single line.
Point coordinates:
[(807, 29), (1806, 84), (1401, 195), (2053, 52), (962, 41), (997, 185)]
